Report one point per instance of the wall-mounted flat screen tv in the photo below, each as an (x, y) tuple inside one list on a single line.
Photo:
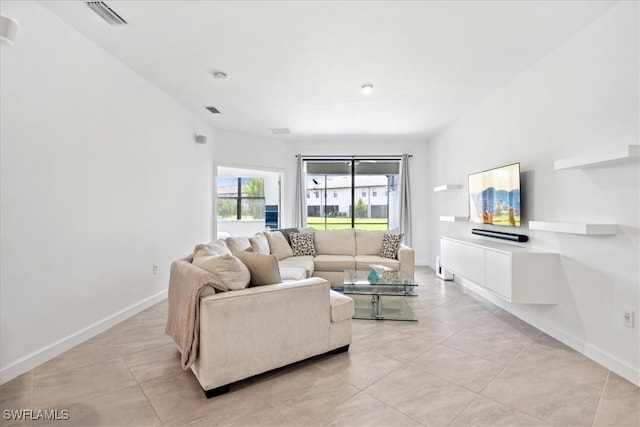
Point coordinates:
[(494, 196)]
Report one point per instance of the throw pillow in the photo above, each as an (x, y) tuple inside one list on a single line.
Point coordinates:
[(219, 247), (229, 272), (260, 244), (285, 232), (236, 244), (390, 245), (302, 244), (278, 244), (263, 268)]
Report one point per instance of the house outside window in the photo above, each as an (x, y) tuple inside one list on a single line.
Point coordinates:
[(355, 189), (240, 198)]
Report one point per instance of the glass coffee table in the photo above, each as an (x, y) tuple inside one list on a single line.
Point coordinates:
[(389, 283)]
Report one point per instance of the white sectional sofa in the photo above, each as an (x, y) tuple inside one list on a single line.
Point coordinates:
[(336, 250), (258, 326)]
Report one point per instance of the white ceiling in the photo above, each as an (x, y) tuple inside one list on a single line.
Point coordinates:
[(300, 64)]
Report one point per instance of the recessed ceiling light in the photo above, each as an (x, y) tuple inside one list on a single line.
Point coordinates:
[(219, 75), (367, 88)]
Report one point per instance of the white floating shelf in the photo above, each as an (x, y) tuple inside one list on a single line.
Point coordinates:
[(625, 154), (454, 219), (574, 228), (446, 187)]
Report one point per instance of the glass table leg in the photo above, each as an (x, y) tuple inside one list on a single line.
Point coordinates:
[(378, 306)]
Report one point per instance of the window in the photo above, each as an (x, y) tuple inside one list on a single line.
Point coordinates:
[(240, 198), (353, 183)]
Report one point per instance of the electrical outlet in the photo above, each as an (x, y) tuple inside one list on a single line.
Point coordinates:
[(155, 269), (628, 317)]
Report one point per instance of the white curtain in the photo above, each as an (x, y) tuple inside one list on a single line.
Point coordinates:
[(300, 214), (405, 200)]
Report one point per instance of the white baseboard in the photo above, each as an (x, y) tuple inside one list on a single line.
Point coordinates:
[(38, 357), (603, 358)]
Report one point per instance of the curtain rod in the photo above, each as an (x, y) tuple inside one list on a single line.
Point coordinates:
[(382, 156)]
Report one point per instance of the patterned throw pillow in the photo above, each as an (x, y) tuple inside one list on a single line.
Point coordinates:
[(302, 244), (390, 245)]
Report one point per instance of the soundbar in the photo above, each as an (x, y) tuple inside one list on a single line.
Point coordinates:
[(500, 235)]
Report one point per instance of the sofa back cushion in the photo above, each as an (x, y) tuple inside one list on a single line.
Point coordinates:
[(236, 244), (260, 244), (369, 242), (229, 272), (264, 269), (219, 247), (278, 244), (335, 242)]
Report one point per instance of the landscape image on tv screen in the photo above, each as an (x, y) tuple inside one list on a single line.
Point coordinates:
[(494, 196)]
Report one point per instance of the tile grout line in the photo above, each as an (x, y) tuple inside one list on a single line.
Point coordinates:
[(389, 406), (604, 387), (142, 390), (500, 373)]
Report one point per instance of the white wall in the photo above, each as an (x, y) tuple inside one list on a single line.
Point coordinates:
[(581, 98), (419, 175), (101, 178)]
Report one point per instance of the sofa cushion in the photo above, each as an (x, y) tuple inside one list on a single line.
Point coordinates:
[(390, 244), (278, 244), (302, 244), (292, 273), (285, 232), (342, 307), (260, 244), (369, 242), (219, 247), (263, 268), (305, 262), (229, 272), (334, 262), (363, 262), (236, 244), (335, 242)]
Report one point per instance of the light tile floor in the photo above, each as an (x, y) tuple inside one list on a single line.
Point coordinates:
[(465, 362)]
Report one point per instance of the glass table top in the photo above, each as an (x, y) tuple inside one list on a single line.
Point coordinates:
[(388, 283)]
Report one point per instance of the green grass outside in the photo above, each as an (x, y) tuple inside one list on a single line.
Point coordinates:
[(337, 223)]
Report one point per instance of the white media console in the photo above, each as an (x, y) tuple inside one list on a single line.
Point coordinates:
[(517, 274)]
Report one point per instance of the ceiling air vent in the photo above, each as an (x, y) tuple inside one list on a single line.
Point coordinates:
[(106, 12), (213, 110), (280, 131)]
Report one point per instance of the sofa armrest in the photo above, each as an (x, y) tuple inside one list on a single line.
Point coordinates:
[(406, 258)]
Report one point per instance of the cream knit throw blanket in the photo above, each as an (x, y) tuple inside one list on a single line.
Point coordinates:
[(186, 283)]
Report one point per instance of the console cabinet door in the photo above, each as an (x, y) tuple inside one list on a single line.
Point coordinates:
[(498, 273), (465, 260)]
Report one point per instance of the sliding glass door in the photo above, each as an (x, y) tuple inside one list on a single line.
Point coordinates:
[(352, 193)]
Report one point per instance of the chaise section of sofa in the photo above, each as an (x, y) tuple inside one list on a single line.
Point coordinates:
[(240, 333), (251, 331)]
